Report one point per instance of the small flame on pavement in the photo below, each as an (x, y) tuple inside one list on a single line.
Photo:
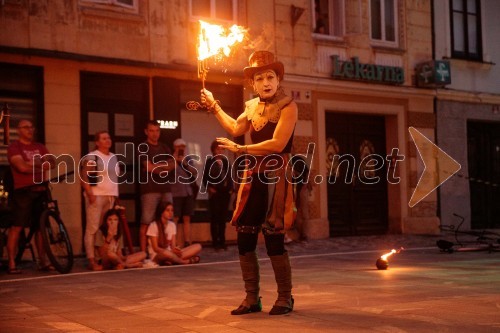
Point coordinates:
[(385, 256), (382, 262)]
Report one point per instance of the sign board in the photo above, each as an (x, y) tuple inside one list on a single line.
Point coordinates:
[(356, 71), (435, 73)]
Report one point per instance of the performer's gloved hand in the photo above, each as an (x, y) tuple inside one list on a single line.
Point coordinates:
[(207, 98)]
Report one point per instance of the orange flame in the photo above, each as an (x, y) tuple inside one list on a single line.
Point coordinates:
[(385, 256), (216, 40)]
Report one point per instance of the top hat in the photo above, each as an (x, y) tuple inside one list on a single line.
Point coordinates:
[(260, 61)]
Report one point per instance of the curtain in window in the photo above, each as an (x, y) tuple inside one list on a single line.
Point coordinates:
[(224, 9), (376, 18), (213, 9), (329, 17), (383, 20), (389, 19)]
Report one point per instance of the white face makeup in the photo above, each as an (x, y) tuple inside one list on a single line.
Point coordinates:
[(266, 83)]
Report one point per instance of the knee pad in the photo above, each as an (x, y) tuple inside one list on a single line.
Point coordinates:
[(246, 242), (275, 244)]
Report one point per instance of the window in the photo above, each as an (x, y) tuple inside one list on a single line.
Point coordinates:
[(466, 29), (383, 16), (21, 88), (128, 4), (12, 2), (328, 17), (219, 10)]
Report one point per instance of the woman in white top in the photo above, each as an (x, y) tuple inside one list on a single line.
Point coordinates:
[(110, 251), (162, 241)]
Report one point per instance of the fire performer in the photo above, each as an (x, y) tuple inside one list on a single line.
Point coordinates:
[(270, 119)]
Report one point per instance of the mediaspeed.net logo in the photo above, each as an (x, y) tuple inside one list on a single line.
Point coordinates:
[(121, 168), (264, 167)]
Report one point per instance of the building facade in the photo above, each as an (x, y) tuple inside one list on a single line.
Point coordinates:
[(79, 66), (467, 110)]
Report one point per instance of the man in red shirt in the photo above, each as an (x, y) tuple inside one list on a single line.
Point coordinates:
[(28, 161)]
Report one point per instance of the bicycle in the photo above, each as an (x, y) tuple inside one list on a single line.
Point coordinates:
[(484, 240), (55, 238)]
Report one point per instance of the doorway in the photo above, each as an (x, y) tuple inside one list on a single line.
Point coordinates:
[(120, 105), (357, 203), (483, 140)]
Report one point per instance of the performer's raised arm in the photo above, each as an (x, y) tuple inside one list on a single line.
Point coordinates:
[(234, 127)]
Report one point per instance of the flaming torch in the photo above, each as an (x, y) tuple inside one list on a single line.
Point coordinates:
[(214, 41), (382, 262)]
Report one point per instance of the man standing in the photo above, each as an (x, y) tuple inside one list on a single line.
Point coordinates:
[(28, 161), (218, 181), (100, 189), (155, 163), (182, 190)]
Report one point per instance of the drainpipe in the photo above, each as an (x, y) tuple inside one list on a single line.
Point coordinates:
[(435, 102), (433, 31)]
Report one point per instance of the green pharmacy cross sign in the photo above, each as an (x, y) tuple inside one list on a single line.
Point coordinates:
[(433, 74)]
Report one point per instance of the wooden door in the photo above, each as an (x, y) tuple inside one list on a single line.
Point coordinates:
[(357, 202)]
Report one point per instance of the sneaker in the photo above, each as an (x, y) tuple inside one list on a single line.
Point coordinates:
[(148, 263)]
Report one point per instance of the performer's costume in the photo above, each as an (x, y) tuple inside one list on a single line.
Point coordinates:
[(261, 189)]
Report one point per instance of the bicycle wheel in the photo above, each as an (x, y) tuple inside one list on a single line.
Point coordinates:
[(56, 241), (3, 242)]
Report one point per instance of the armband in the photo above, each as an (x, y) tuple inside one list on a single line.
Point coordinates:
[(213, 107), (241, 149)]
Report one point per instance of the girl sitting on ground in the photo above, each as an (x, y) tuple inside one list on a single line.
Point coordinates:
[(110, 251), (162, 240)]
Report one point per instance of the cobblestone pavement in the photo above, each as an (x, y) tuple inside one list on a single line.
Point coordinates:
[(383, 243), (318, 246), (336, 289)]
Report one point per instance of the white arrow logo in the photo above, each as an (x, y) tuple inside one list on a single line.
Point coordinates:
[(438, 166)]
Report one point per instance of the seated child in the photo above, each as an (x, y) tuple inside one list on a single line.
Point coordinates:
[(110, 251), (162, 244)]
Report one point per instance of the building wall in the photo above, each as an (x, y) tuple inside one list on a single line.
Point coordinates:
[(452, 124), (471, 76), (66, 37), (474, 94), (307, 60)]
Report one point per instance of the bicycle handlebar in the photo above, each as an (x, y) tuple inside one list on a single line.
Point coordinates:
[(57, 179), (60, 178)]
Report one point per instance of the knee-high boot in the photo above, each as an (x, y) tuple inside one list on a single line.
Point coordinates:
[(283, 276), (250, 272)]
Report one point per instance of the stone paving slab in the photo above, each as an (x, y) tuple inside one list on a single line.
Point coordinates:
[(336, 287)]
